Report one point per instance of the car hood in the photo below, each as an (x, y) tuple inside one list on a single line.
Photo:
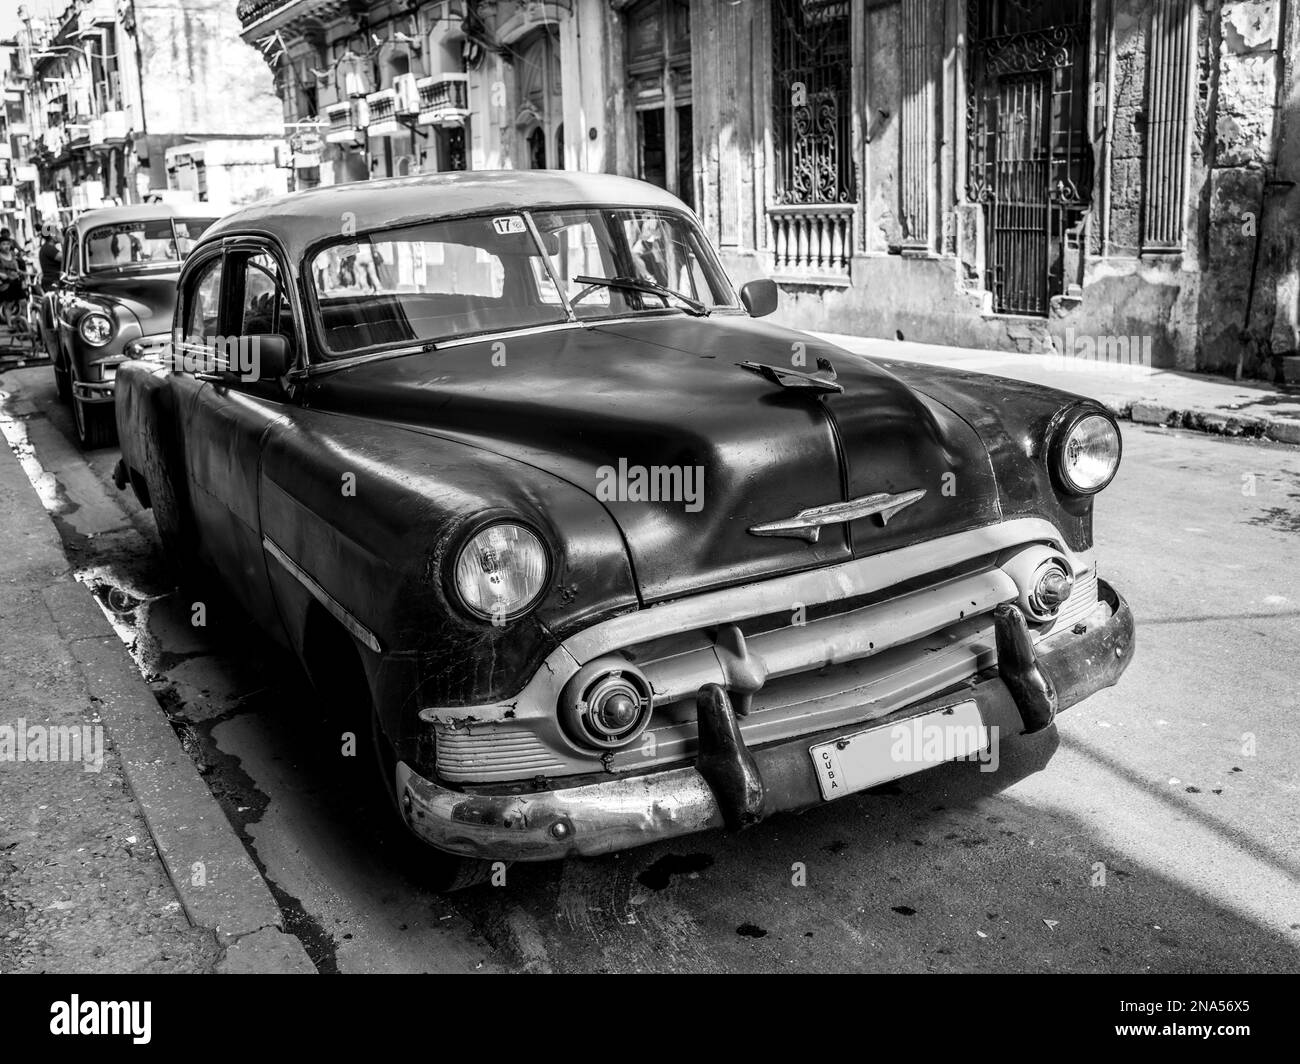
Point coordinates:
[(150, 296), (686, 449)]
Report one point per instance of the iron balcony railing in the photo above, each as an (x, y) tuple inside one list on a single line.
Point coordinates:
[(444, 92)]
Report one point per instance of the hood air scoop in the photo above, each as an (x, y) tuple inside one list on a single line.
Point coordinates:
[(792, 378)]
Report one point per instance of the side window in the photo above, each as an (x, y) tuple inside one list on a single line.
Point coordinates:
[(263, 297), (202, 304), (263, 301)]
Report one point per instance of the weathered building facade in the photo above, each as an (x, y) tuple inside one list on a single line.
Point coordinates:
[(1108, 177), (112, 85)]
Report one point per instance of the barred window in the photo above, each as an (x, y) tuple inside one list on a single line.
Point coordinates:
[(811, 101)]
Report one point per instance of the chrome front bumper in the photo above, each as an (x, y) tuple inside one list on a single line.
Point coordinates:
[(93, 392), (1022, 694)]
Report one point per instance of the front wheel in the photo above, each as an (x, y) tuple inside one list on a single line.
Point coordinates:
[(437, 869), (337, 675), (62, 380), (96, 423)]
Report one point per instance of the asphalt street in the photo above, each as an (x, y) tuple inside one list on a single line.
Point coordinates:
[(1155, 829)]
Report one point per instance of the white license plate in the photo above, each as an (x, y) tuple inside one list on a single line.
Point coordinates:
[(891, 751)]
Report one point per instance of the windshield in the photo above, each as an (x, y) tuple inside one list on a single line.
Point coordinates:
[(655, 248), (152, 242), (437, 281)]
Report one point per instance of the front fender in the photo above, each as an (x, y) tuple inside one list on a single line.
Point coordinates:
[(1013, 419), (374, 513), (127, 328)]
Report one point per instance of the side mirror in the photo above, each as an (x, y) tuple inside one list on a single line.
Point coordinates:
[(273, 356), (759, 297)]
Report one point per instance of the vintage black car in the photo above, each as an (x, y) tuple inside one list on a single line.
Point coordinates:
[(512, 468), (115, 301)]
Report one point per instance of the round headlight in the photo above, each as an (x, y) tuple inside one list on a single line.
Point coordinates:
[(501, 572), (1088, 454), (96, 329)]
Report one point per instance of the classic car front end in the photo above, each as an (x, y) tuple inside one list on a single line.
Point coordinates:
[(606, 559), (727, 706), (114, 302)]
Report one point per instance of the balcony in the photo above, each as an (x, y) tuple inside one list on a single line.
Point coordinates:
[(812, 243), (268, 16), (444, 99), (383, 114), (347, 122), (116, 127)]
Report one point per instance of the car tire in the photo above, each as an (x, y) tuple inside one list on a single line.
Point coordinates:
[(96, 424), (62, 381), (343, 694), (439, 870)]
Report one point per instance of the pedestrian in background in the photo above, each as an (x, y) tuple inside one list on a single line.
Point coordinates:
[(50, 258), (12, 289)]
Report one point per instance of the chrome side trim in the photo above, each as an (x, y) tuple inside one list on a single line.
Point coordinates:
[(808, 524), (336, 608), (506, 334)]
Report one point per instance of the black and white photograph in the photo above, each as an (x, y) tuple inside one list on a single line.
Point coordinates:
[(651, 487)]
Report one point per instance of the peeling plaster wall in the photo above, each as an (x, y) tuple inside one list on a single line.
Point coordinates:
[(880, 125), (1241, 219), (1280, 254), (1238, 300), (200, 79), (1128, 126)]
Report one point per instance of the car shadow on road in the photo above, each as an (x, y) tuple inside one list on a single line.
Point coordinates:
[(947, 870)]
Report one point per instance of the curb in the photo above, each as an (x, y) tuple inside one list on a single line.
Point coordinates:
[(216, 881), (1216, 422)]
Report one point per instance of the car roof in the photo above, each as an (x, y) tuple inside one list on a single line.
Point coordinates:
[(143, 212), (300, 219)]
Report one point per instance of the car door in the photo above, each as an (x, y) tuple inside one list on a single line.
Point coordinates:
[(231, 415)]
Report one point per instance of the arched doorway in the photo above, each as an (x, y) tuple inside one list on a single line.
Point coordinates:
[(540, 106)]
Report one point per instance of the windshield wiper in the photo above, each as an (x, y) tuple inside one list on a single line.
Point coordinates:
[(634, 285)]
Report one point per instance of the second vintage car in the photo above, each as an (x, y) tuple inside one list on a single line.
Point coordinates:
[(114, 301), (598, 558)]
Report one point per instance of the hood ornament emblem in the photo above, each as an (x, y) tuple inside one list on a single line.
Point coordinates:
[(808, 524)]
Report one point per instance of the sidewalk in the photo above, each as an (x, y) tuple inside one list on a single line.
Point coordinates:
[(114, 856), (1146, 396)]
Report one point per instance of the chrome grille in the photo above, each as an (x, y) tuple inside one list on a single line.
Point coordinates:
[(491, 752), (877, 635), (1082, 601)]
